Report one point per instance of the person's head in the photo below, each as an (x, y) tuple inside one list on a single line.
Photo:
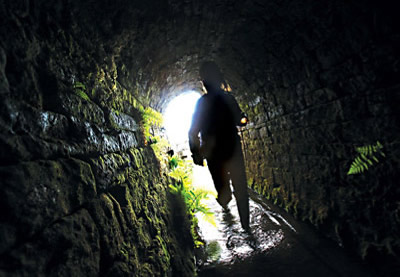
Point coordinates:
[(211, 76)]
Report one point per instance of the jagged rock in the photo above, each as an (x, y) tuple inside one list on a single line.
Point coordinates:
[(36, 194), (68, 247)]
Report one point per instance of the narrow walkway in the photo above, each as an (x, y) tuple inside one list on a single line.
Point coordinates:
[(278, 245)]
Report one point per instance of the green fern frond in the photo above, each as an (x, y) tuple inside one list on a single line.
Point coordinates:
[(172, 162), (79, 89), (181, 171), (209, 218), (79, 85), (365, 158)]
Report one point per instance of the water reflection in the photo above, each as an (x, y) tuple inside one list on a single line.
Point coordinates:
[(277, 244), (227, 242)]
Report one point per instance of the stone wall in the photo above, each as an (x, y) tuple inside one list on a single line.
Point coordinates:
[(320, 95), (81, 194)]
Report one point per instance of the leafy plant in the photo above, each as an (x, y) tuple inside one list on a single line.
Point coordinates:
[(173, 163), (79, 89), (182, 173), (180, 170), (367, 155), (192, 198)]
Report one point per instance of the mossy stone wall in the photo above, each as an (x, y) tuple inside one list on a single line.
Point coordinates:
[(81, 194)]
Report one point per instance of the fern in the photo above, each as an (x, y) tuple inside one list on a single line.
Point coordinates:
[(79, 85), (173, 163), (181, 171), (367, 157), (79, 89)]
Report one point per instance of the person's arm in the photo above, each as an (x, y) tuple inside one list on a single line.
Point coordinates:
[(240, 117)]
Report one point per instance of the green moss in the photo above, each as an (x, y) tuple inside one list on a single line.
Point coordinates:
[(250, 182), (86, 176), (146, 270), (107, 203), (131, 215), (124, 251), (160, 241), (116, 111), (143, 234), (160, 148), (151, 119), (213, 250), (79, 89), (136, 158), (280, 196), (293, 204)]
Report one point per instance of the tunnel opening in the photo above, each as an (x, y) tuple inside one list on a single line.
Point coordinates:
[(177, 119)]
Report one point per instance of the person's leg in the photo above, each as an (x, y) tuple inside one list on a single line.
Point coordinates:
[(237, 171), (220, 177)]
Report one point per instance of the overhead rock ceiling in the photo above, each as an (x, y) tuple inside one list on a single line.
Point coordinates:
[(161, 44)]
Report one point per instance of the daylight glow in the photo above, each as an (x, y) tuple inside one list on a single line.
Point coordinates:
[(178, 117)]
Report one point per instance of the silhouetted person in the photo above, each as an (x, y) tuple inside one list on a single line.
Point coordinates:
[(214, 136)]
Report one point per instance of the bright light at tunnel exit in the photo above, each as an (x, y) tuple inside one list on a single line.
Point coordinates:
[(178, 117)]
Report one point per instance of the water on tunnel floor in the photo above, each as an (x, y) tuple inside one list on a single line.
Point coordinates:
[(277, 245)]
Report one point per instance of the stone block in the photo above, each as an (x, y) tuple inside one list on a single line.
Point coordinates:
[(39, 193), (127, 140), (78, 107), (23, 119), (69, 247), (123, 121), (111, 169)]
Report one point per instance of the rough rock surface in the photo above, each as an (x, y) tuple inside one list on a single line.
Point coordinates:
[(81, 194), (317, 78)]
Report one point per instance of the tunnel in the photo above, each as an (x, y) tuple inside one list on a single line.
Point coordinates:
[(83, 193)]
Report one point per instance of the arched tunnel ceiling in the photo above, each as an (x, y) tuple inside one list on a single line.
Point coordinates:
[(162, 43), (159, 45), (175, 39)]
